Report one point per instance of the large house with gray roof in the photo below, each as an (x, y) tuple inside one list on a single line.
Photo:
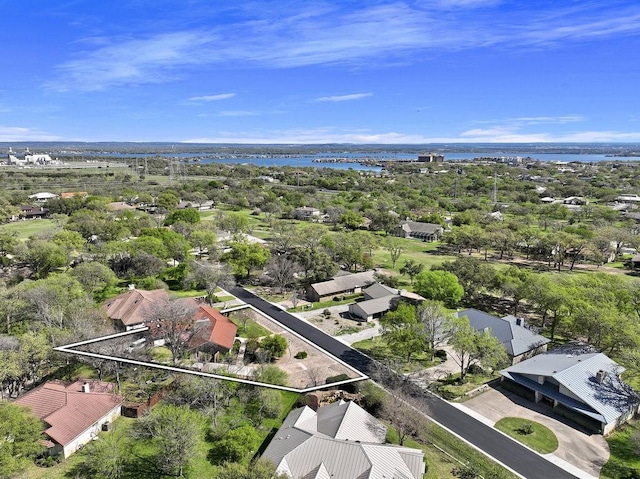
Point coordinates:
[(378, 299), (579, 383), (520, 342), (340, 285), (340, 441), (417, 229)]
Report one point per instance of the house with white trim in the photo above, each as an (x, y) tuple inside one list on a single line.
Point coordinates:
[(579, 383), (73, 413)]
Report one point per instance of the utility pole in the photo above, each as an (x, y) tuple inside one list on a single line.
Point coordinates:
[(494, 195)]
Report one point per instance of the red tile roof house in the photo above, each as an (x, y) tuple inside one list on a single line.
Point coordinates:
[(74, 413), (210, 331), (130, 310), (213, 332)]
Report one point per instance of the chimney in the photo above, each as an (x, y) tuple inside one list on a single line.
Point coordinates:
[(601, 376), (86, 388), (520, 322)]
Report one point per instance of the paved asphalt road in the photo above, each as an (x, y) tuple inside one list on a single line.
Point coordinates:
[(505, 450)]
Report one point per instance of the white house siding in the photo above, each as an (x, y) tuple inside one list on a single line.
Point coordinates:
[(568, 393), (90, 433)]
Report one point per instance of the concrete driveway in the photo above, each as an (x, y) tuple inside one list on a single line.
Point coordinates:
[(587, 452)]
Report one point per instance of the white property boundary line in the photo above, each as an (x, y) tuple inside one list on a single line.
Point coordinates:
[(69, 349)]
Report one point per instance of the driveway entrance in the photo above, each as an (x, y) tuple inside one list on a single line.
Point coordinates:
[(588, 452)]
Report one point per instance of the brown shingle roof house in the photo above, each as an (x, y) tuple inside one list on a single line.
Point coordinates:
[(130, 310), (74, 413)]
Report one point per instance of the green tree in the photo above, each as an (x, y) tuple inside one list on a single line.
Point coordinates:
[(411, 268), (515, 282), (93, 275), (351, 220), (20, 432), (176, 433), (175, 244), (236, 446), (385, 221), (260, 469), (474, 347), (271, 374), (8, 242), (275, 346), (234, 223), (402, 332), (7, 210), (204, 240), (188, 215), (69, 240), (439, 286), (44, 257), (243, 257), (473, 274), (395, 246), (107, 457), (167, 201)]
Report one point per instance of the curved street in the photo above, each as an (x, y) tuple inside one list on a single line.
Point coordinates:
[(503, 449)]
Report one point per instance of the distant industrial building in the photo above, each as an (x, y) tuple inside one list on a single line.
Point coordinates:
[(29, 159), (430, 158)]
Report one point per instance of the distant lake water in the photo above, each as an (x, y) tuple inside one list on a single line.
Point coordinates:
[(346, 160)]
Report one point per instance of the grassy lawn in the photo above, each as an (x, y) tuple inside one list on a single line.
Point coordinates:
[(378, 349), (624, 461), (247, 327), (450, 388), (530, 433), (419, 251), (25, 229), (440, 463)]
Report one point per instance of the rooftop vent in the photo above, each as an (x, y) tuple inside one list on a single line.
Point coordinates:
[(601, 375), (86, 388)]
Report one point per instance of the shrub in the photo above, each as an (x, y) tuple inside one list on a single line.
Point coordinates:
[(526, 428), (301, 355), (336, 379), (440, 354)]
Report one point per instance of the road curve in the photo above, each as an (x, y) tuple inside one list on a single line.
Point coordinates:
[(505, 450)]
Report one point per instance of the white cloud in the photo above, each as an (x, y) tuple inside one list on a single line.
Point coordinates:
[(237, 113), (340, 98), (307, 34), (17, 133), (310, 136), (208, 98), (325, 135), (132, 61)]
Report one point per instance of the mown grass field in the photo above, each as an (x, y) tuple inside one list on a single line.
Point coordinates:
[(25, 229)]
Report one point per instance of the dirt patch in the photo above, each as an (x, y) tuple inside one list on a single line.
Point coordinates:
[(310, 371), (334, 324)]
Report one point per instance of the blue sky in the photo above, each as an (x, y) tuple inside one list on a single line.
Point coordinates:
[(320, 72)]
